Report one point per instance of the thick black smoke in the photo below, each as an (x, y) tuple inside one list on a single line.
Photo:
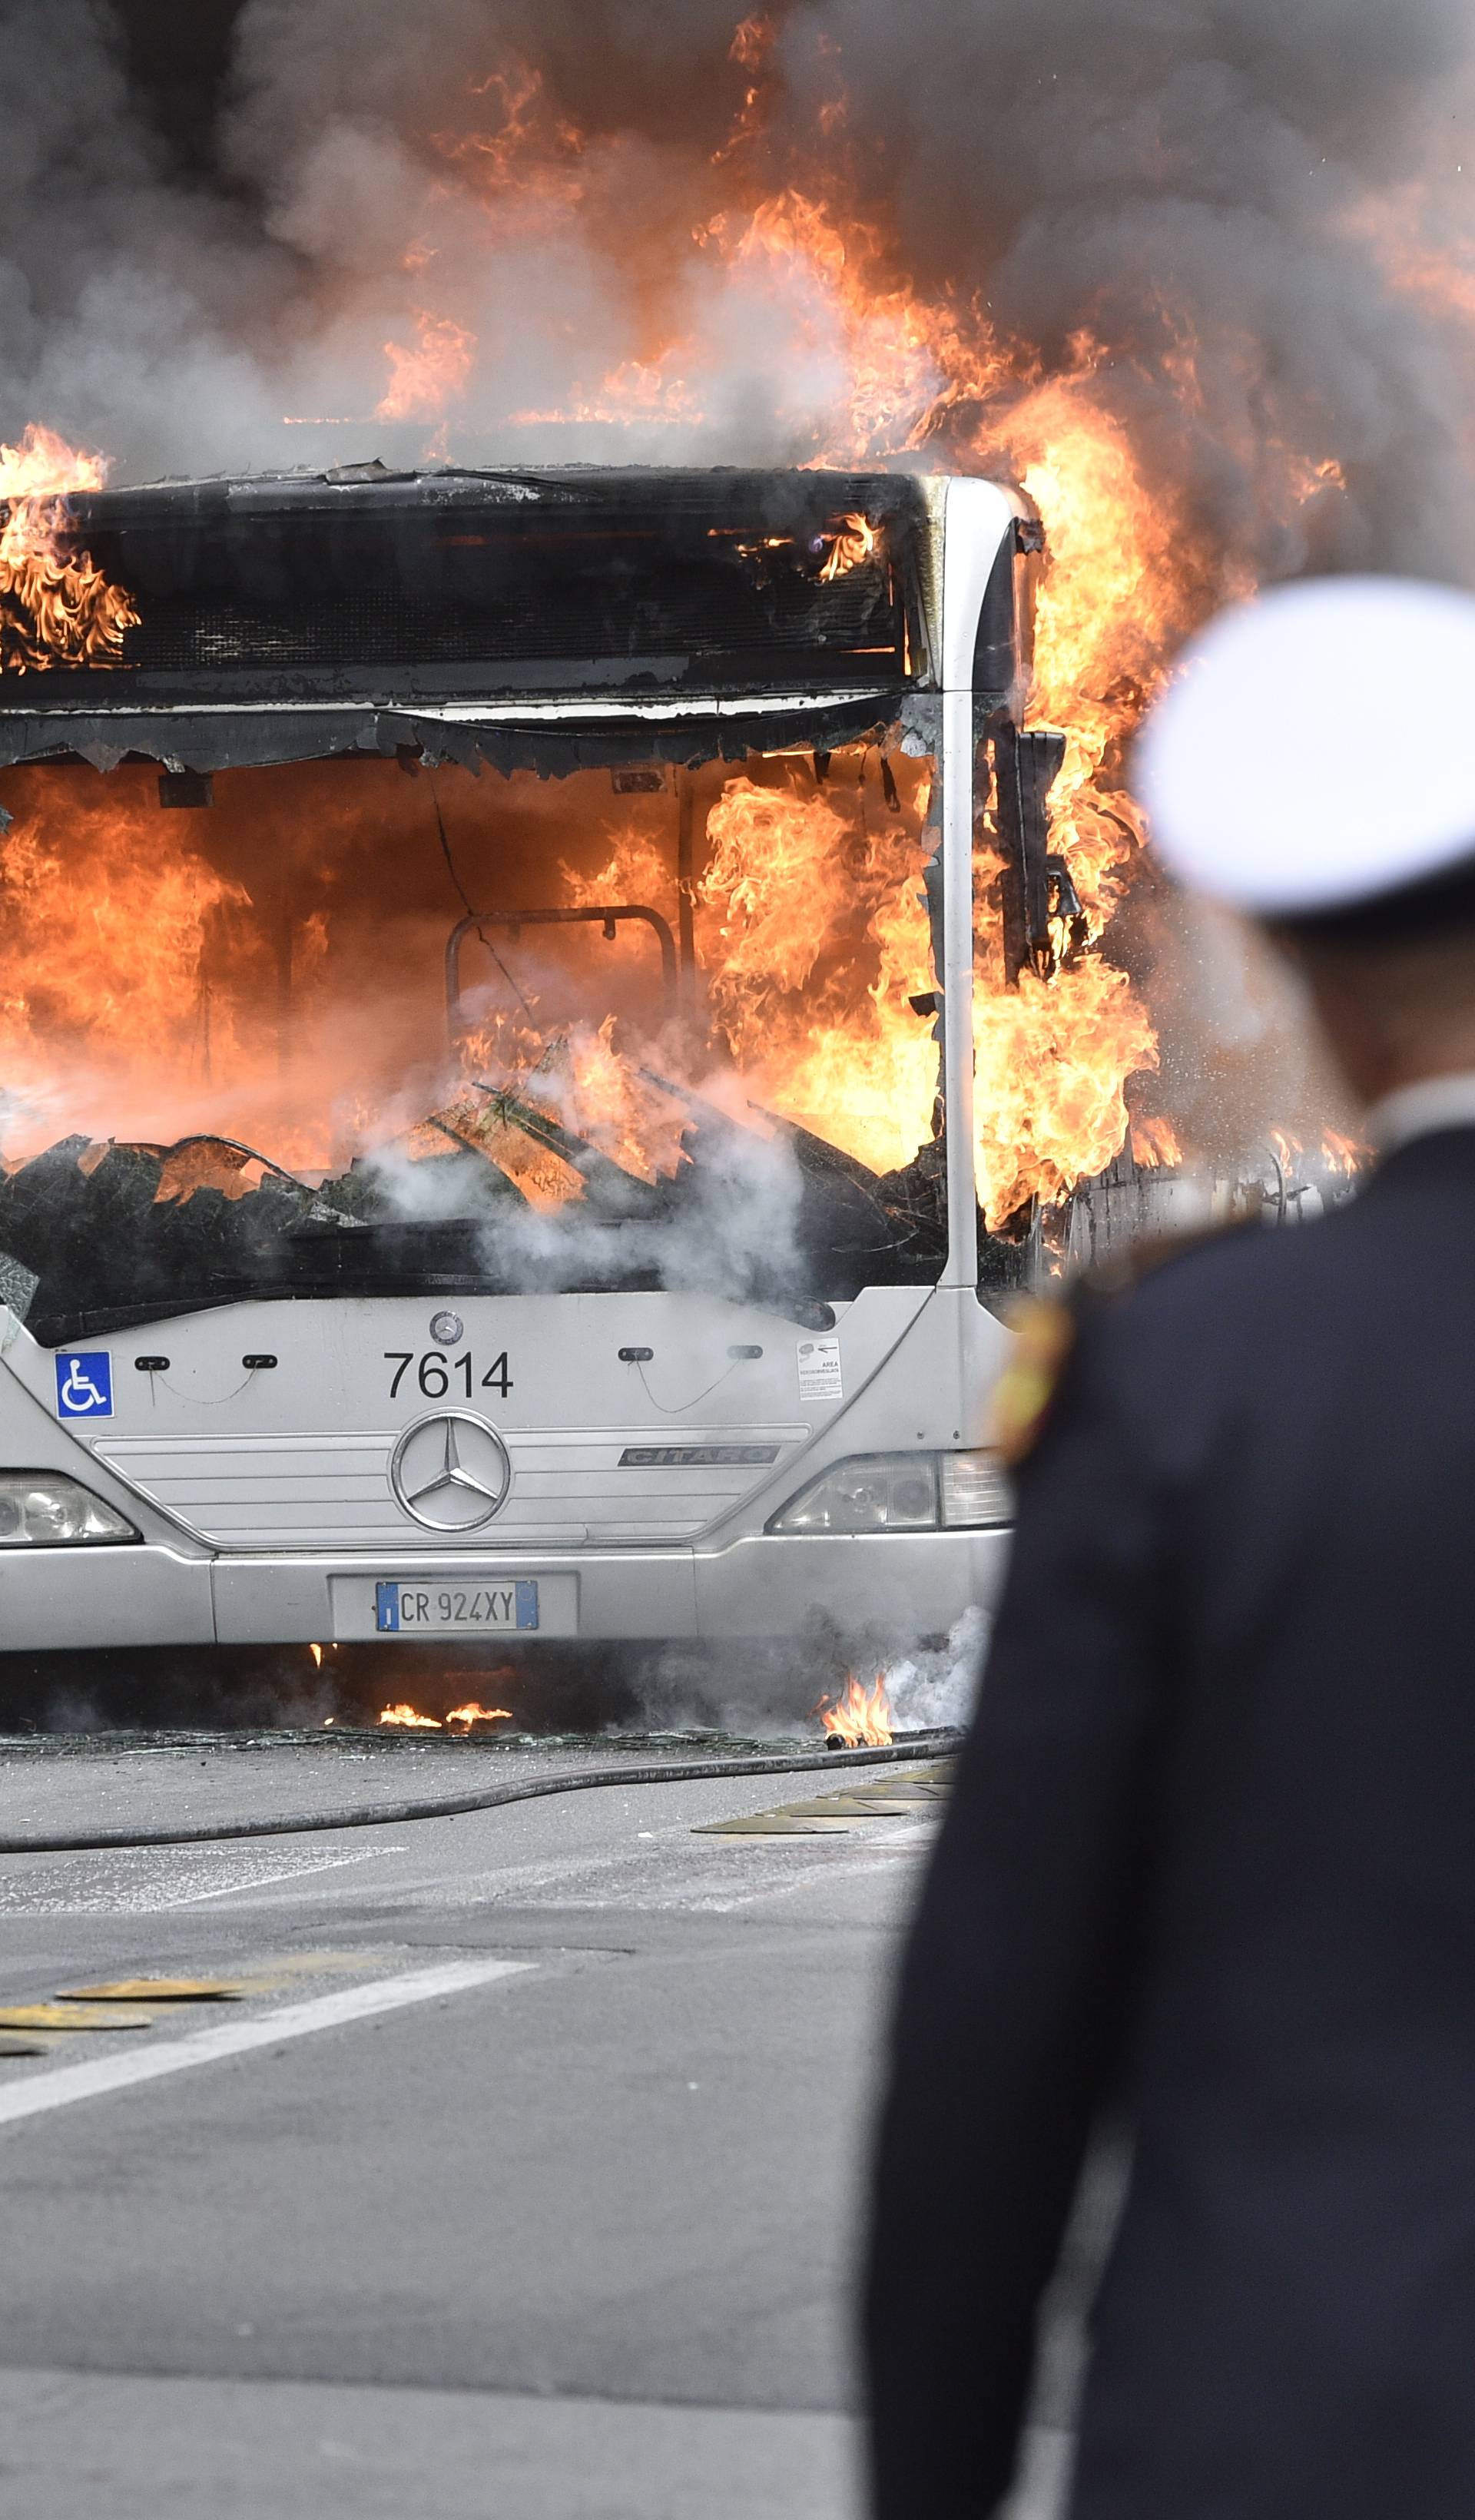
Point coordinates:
[(1229, 177), (195, 246)]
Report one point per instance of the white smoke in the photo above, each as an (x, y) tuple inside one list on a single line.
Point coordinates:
[(934, 1688), (730, 1227)]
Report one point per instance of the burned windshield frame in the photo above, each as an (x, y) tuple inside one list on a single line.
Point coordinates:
[(498, 1181)]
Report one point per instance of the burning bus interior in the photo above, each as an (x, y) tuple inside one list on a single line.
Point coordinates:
[(514, 881), (368, 1026), (371, 1026)]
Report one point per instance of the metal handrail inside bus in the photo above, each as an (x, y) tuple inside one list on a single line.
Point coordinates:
[(606, 913)]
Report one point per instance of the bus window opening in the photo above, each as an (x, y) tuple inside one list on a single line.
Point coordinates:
[(340, 1030)]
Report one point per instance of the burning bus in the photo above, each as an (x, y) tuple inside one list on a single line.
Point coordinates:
[(487, 993)]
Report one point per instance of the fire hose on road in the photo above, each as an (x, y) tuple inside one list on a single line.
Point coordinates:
[(391, 1815)]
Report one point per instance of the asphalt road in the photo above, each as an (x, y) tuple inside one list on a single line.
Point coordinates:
[(527, 2184)]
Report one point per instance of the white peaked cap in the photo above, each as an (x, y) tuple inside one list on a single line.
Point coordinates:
[(1315, 748)]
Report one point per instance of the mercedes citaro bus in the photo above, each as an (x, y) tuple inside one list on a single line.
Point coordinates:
[(485, 1118)]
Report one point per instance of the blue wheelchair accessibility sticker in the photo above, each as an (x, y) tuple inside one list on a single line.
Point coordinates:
[(84, 1385)]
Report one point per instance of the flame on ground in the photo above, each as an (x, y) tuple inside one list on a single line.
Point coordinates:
[(55, 608), (859, 1716), (461, 1719)]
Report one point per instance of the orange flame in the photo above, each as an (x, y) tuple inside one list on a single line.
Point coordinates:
[(56, 608), (426, 379), (903, 363), (880, 369), (102, 944), (408, 1719), (750, 47), (812, 928), (856, 540), (1054, 1058), (1128, 575), (797, 900), (140, 983), (859, 1716), (471, 1714), (1155, 1141), (808, 913)]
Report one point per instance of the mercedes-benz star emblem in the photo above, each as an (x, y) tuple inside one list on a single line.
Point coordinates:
[(446, 1329), (450, 1472)]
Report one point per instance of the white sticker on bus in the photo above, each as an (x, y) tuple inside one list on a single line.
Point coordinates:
[(819, 1370)]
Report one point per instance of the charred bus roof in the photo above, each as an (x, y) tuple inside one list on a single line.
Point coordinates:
[(529, 617), (514, 582)]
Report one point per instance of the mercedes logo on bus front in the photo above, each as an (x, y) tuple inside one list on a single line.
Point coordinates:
[(450, 1472)]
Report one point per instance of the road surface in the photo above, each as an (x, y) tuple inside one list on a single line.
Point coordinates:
[(519, 2177)]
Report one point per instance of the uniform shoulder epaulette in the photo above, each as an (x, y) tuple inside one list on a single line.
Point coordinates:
[(1044, 1332), (1045, 1327)]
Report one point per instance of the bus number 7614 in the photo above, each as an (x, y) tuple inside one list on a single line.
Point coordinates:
[(437, 1375)]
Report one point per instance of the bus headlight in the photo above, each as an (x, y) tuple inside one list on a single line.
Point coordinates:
[(46, 1509), (975, 1490), (902, 1492)]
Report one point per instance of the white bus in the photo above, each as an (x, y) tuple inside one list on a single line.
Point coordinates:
[(486, 966)]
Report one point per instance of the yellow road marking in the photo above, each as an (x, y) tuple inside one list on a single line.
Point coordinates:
[(158, 1990), (74, 2016), (827, 1815), (240, 2035), (771, 1825)]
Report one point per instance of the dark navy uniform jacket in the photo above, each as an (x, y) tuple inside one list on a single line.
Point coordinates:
[(1212, 1858)]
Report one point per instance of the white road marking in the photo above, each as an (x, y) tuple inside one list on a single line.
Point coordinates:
[(293, 1872), (145, 1881), (68, 2082)]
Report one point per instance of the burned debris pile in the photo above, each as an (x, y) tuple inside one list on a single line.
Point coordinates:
[(94, 1237), (91, 1236)]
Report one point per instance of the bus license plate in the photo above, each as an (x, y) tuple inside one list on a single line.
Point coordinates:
[(403, 1609)]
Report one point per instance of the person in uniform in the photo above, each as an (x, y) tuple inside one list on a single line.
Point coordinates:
[(1209, 1870)]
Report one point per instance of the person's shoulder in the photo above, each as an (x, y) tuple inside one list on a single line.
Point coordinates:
[(1250, 1270), (1199, 1250), (1171, 1289)]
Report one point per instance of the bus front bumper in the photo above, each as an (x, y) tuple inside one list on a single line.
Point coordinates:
[(901, 1585)]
